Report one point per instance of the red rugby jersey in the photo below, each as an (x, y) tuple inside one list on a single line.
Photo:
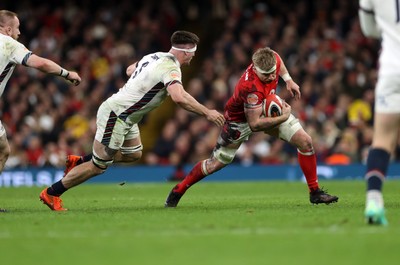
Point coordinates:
[(249, 92)]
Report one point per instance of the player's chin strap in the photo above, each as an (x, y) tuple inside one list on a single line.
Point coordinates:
[(185, 50)]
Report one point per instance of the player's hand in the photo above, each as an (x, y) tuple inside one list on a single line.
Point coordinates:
[(293, 89), (74, 78), (286, 110), (215, 117)]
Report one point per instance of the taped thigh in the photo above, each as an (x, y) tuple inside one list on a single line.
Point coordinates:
[(289, 128)]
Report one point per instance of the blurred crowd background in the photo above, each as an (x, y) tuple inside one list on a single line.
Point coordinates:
[(320, 42)]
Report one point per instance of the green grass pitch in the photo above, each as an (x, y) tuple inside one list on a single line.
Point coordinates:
[(233, 223)]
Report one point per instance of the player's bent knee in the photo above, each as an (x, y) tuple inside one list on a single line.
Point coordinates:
[(130, 158), (302, 140), (213, 165), (308, 142), (136, 156), (5, 150), (4, 156)]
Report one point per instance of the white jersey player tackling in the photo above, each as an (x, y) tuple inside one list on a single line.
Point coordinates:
[(13, 53), (381, 19), (117, 139)]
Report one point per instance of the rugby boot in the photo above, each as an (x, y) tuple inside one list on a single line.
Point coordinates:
[(53, 202), (321, 196), (71, 162), (173, 199)]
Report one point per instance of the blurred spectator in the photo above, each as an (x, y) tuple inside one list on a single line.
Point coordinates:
[(34, 151), (361, 110), (164, 145), (346, 150)]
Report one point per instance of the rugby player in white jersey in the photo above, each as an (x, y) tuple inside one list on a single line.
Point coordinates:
[(117, 139), (381, 19), (13, 53)]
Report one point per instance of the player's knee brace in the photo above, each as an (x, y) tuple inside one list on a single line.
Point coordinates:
[(132, 153), (131, 149), (289, 128), (101, 163)]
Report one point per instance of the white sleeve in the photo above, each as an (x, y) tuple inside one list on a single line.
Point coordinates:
[(366, 15), (170, 72), (20, 53)]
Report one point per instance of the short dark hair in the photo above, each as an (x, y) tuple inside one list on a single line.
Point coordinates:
[(184, 37)]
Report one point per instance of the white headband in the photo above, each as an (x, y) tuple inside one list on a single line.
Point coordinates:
[(185, 50), (273, 68)]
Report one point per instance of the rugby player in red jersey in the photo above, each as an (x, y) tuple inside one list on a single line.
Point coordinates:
[(243, 115)]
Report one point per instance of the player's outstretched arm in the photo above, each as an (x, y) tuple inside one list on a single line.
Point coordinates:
[(189, 103), (50, 67)]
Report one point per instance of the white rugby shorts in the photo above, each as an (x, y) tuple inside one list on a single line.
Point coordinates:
[(387, 95), (111, 130)]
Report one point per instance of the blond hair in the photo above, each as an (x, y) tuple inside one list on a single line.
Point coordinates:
[(264, 58)]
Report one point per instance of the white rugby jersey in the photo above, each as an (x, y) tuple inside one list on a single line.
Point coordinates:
[(12, 53), (385, 16), (146, 88)]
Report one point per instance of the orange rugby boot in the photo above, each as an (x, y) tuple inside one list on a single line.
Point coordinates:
[(53, 202), (71, 162)]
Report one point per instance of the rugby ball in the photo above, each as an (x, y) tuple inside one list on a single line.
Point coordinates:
[(272, 106)]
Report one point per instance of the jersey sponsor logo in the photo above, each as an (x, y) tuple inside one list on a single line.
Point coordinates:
[(252, 99), (174, 75)]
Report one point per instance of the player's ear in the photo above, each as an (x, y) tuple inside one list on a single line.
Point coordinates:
[(9, 30)]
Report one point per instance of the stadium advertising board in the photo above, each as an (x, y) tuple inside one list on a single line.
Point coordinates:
[(46, 176)]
